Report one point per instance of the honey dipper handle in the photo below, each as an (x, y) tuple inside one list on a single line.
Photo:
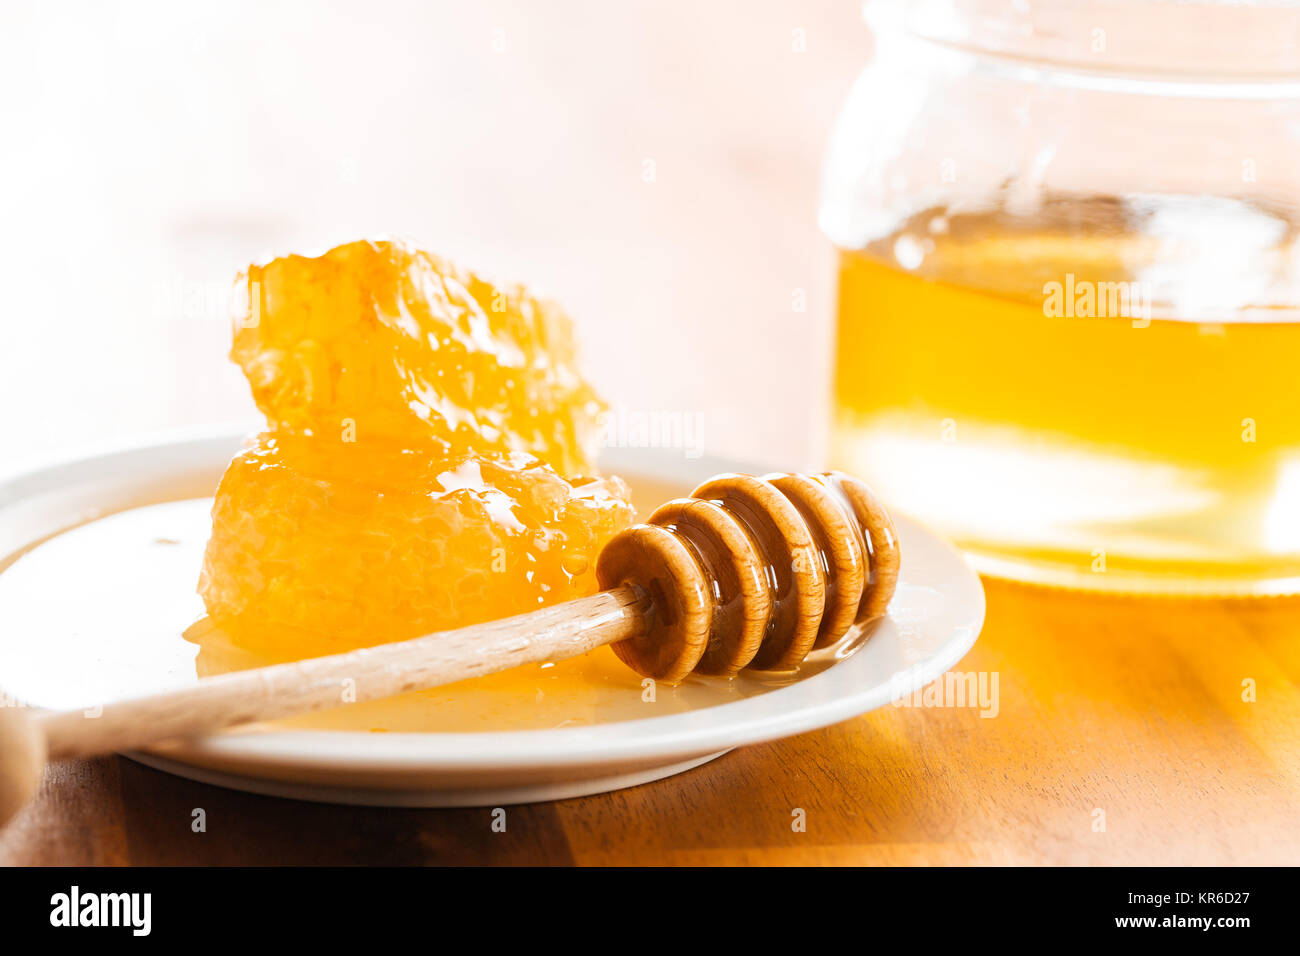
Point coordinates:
[(552, 633)]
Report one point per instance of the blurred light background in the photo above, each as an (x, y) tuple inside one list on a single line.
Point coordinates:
[(652, 165)]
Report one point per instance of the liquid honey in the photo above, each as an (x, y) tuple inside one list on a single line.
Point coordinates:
[(1120, 410)]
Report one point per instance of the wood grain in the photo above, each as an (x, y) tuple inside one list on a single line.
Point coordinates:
[(1133, 707)]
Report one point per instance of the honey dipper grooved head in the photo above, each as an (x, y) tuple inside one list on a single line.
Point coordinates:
[(785, 551), (754, 572), (880, 538), (742, 601), (661, 565), (837, 537)]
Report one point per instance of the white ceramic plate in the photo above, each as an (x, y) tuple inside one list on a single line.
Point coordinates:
[(933, 621)]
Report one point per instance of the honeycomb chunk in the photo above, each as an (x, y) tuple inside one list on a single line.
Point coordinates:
[(421, 422), (362, 545), (403, 346)]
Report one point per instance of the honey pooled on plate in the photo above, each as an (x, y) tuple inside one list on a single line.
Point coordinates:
[(422, 423)]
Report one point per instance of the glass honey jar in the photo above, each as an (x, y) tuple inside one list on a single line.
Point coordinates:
[(1069, 288)]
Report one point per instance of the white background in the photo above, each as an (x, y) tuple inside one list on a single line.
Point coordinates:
[(150, 150)]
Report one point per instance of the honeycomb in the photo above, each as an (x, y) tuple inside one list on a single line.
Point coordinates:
[(370, 545), (412, 477), (399, 345)]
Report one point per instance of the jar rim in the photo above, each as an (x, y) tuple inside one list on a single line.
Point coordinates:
[(1196, 40)]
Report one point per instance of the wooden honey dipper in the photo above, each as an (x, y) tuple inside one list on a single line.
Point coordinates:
[(748, 572)]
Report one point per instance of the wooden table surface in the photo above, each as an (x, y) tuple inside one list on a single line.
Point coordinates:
[(1133, 708)]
